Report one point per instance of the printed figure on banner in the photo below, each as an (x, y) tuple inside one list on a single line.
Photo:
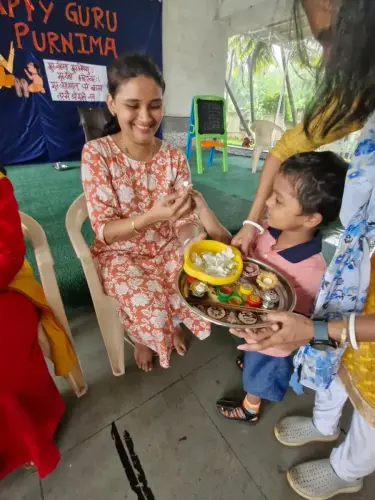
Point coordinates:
[(33, 73), (21, 86)]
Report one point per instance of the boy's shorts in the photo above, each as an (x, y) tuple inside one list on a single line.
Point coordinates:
[(266, 376)]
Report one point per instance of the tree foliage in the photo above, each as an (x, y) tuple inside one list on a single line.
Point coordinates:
[(255, 73)]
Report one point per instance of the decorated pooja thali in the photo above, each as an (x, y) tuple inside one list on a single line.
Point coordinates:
[(239, 299)]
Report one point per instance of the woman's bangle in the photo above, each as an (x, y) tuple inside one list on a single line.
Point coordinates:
[(344, 337), (255, 224), (352, 334), (134, 228), (186, 242)]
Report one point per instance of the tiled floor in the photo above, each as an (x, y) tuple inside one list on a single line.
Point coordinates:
[(186, 450)]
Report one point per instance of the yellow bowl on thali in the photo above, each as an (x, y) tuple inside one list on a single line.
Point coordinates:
[(203, 246)]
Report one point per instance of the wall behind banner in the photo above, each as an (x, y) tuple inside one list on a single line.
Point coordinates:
[(71, 36)]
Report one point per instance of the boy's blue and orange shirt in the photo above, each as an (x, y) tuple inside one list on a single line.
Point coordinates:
[(303, 265)]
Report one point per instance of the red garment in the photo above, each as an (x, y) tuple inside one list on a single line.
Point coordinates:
[(30, 404)]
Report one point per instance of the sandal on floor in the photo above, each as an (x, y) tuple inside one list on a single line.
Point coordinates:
[(239, 362), (232, 409)]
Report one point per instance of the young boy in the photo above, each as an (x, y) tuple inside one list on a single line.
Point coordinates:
[(307, 195)]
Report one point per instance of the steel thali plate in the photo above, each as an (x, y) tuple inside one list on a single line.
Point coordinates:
[(237, 316)]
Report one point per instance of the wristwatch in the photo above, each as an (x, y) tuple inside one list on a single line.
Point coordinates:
[(321, 340)]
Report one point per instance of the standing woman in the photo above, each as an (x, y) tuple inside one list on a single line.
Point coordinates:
[(347, 84), (139, 204)]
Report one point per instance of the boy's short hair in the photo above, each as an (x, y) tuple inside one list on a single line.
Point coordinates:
[(319, 180)]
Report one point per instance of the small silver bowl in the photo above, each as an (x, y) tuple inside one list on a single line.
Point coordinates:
[(270, 299), (60, 166)]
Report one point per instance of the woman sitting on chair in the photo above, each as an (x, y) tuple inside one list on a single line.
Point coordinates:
[(31, 406), (140, 208)]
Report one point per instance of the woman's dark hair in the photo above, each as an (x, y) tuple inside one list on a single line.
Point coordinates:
[(124, 68), (36, 66), (346, 78), (319, 180), (2, 170)]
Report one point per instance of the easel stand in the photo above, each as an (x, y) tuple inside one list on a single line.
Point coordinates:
[(207, 129)]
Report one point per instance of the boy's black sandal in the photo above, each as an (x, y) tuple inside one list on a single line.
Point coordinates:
[(232, 409)]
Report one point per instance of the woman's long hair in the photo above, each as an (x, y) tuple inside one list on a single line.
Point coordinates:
[(346, 78), (36, 66), (124, 68)]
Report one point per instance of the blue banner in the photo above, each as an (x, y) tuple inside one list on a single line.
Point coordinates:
[(52, 58)]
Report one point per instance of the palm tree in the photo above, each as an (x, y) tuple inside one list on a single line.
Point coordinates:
[(285, 63), (251, 55), (248, 57), (291, 57), (230, 69), (235, 47), (259, 57), (243, 121)]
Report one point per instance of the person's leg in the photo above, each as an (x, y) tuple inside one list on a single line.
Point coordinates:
[(150, 326), (344, 471), (197, 325), (355, 457), (252, 402), (348, 464), (264, 377), (328, 408), (31, 406), (179, 337), (317, 480), (324, 427), (143, 354), (143, 308)]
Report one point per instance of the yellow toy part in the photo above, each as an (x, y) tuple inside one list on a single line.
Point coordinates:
[(246, 289), (267, 280), (211, 246)]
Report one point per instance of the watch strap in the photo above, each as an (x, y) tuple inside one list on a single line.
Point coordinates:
[(321, 339), (321, 331)]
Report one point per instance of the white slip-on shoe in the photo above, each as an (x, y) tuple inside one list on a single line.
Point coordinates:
[(318, 481), (298, 431)]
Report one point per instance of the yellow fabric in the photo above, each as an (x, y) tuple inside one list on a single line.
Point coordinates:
[(360, 364), (295, 141), (62, 353)]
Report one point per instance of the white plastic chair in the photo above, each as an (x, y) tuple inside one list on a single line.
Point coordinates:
[(34, 232), (265, 133), (105, 307)]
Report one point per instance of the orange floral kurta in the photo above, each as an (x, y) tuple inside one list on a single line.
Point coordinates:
[(141, 272)]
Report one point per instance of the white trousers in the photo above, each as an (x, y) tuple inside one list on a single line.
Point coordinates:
[(355, 457)]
